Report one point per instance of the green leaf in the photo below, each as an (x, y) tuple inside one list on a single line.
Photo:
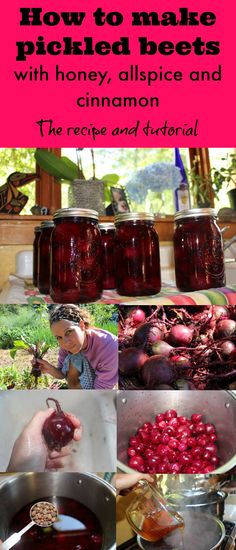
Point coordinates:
[(72, 165), (13, 353), (20, 344), (110, 179), (55, 166)]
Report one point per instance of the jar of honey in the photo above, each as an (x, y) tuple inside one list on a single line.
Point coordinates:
[(137, 256), (108, 235), (37, 232), (198, 250), (150, 515), (76, 256), (44, 256)]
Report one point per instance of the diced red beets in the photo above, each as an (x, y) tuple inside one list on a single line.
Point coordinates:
[(196, 418), (174, 444)]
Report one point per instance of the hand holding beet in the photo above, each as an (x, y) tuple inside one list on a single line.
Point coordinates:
[(30, 452)]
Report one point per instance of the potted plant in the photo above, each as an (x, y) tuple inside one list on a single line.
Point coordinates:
[(228, 175), (84, 193), (203, 186)]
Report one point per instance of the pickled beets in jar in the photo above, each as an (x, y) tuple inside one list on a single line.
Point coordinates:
[(198, 250), (108, 235), (137, 257), (76, 256), (44, 257), (37, 232)]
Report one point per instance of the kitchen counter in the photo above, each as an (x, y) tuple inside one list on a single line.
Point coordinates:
[(17, 291)]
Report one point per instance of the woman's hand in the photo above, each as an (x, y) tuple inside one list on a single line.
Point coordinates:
[(47, 368), (30, 453), (44, 365), (127, 481)]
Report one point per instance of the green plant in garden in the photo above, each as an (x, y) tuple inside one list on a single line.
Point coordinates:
[(9, 377), (38, 350), (29, 322), (12, 378)]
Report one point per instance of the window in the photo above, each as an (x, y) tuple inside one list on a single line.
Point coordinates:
[(125, 162)]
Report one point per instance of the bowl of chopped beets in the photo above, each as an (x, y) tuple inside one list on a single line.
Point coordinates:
[(176, 432), (177, 348)]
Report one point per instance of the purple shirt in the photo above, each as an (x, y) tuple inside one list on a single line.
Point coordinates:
[(102, 354)]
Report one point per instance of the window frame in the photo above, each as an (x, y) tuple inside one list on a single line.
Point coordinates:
[(48, 190)]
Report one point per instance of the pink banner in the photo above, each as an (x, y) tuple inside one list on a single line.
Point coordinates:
[(125, 74)]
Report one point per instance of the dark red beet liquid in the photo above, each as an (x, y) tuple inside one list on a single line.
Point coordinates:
[(85, 536)]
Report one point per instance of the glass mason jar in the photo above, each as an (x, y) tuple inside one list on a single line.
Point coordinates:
[(137, 256), (198, 250), (44, 257), (108, 235), (150, 515), (37, 232), (76, 256)]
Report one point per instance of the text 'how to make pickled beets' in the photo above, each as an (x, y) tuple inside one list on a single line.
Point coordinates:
[(58, 429)]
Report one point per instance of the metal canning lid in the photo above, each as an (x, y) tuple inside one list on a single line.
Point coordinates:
[(48, 223), (195, 213), (75, 213), (107, 225), (134, 216)]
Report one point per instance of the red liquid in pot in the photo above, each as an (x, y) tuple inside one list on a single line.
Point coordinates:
[(89, 537)]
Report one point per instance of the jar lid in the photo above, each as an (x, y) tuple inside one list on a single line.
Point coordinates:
[(195, 213), (75, 213), (48, 223), (134, 216), (106, 226)]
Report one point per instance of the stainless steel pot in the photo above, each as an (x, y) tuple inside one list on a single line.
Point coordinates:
[(90, 490), (201, 532), (219, 407), (209, 503)]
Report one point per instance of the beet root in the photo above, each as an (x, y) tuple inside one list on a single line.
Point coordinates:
[(58, 429), (180, 335), (140, 336), (157, 370), (131, 361)]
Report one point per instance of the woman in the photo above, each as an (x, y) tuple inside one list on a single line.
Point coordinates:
[(88, 356)]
